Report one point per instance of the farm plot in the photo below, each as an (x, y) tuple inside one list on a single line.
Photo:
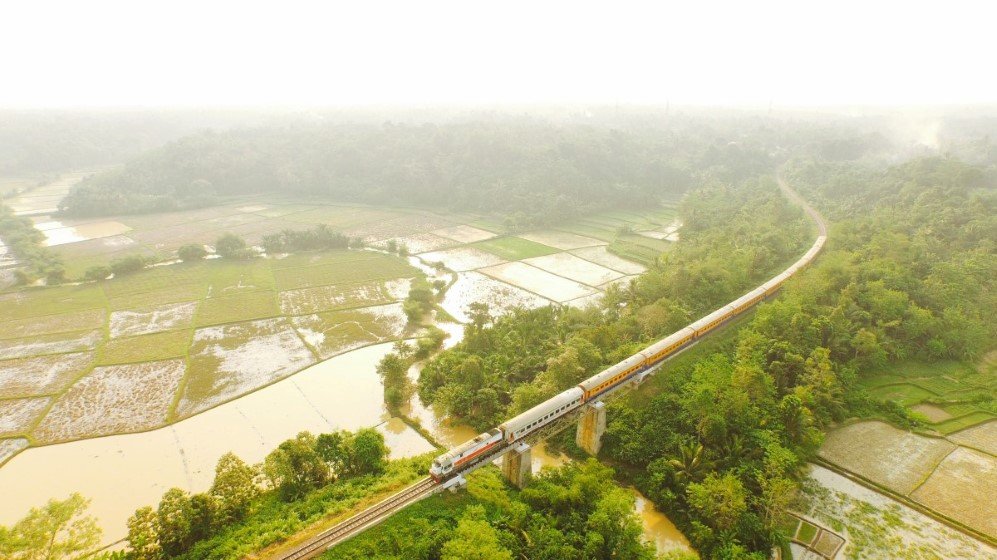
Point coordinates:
[(896, 459), (50, 301), (963, 487), (538, 281), (599, 255), (462, 259), (47, 324), (225, 277), (336, 332), (157, 319), (42, 375), (17, 415), (327, 298), (49, 344), (574, 268), (561, 240), (982, 437), (351, 267), (419, 242), (464, 233), (877, 527), (82, 232), (11, 447), (236, 308), (111, 400), (144, 348), (514, 248), (231, 360), (500, 297), (400, 226)]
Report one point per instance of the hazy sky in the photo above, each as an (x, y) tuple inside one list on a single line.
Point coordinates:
[(100, 53)]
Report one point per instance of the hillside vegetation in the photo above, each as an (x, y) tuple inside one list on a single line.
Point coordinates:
[(533, 172)]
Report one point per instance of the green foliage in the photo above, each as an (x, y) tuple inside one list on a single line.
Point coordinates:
[(231, 246), (299, 477), (97, 273), (535, 172), (191, 252), (420, 300), (59, 529), (128, 265), (575, 511), (737, 236), (319, 238), (19, 233)]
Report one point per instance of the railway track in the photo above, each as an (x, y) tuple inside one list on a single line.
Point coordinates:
[(363, 520)]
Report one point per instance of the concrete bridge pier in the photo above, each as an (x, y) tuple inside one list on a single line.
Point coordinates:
[(517, 465), (591, 426)]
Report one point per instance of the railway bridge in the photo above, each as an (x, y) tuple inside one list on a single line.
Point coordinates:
[(583, 406)]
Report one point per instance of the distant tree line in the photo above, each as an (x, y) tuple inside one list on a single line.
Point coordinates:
[(533, 171), (28, 245)]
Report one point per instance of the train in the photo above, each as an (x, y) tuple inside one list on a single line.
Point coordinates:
[(486, 445)]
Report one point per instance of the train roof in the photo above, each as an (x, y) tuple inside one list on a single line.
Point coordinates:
[(557, 401)]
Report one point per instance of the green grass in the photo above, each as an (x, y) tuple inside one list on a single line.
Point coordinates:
[(956, 387), (441, 506), (35, 302), (380, 267), (602, 234), (904, 393), (962, 422), (145, 348), (514, 248), (806, 533), (638, 252), (225, 276), (235, 308)]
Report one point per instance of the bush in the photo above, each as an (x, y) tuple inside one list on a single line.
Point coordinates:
[(191, 252), (128, 265), (232, 246), (96, 273)]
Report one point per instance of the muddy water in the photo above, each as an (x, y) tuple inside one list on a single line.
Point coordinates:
[(122, 473), (658, 529), (59, 233)]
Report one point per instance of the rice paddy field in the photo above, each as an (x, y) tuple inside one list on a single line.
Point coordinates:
[(190, 336), (950, 396), (955, 476)]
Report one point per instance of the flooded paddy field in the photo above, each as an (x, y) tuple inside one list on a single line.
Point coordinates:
[(123, 472), (36, 199), (300, 334), (875, 526), (939, 473)]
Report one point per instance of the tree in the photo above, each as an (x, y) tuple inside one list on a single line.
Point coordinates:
[(474, 539), (367, 452), (191, 252), (174, 517), (231, 246), (719, 500), (295, 467), (143, 535), (127, 265), (393, 370), (234, 488), (59, 529), (331, 447), (97, 273)]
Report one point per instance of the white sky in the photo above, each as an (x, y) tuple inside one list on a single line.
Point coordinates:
[(357, 52)]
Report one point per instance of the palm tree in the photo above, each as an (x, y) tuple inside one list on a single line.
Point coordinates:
[(689, 464)]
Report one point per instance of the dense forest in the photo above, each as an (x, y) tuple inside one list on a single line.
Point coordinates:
[(531, 170), (909, 273)]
